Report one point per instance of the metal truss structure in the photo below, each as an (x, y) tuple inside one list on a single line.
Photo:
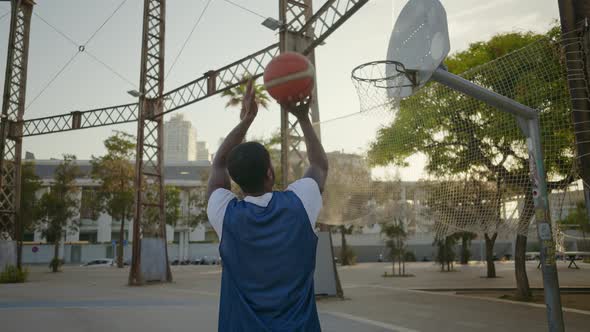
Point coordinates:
[(150, 218), (296, 37), (320, 25), (300, 26), (13, 109)]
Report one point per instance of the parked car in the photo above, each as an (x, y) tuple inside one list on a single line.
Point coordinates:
[(100, 262), (197, 261), (179, 262), (210, 260)]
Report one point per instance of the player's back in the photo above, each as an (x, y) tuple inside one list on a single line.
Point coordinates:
[(268, 255)]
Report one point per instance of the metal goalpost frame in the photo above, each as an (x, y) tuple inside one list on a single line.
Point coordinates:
[(149, 175), (13, 109), (529, 124), (575, 31)]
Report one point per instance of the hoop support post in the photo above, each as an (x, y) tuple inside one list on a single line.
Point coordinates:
[(491, 98), (538, 183)]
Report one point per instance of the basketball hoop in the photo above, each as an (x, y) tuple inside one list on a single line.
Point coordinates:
[(379, 84), (418, 45), (374, 73)]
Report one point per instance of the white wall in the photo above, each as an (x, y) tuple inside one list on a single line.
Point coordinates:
[(96, 251)]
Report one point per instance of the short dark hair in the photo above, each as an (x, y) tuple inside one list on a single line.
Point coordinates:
[(247, 166)]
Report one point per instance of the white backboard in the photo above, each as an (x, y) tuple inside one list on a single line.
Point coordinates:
[(420, 41)]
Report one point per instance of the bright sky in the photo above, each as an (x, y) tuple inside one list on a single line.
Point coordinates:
[(224, 34)]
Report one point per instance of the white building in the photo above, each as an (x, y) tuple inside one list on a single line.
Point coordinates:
[(98, 234), (202, 151), (180, 140)]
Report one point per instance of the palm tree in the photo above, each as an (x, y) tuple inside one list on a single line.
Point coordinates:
[(236, 94)]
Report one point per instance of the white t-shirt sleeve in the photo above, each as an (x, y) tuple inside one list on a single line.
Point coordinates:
[(308, 192), (216, 207)]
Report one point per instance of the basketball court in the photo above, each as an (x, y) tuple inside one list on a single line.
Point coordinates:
[(94, 299), (84, 299)]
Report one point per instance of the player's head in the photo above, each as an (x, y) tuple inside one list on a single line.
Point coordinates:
[(250, 167)]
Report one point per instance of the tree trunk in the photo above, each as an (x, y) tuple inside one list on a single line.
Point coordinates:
[(120, 244), (523, 290), (399, 257), (464, 258), (404, 267), (393, 256), (343, 247), (491, 267), (55, 264)]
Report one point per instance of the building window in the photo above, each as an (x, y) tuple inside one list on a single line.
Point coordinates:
[(91, 237), (211, 236), (115, 236), (29, 237), (88, 202)]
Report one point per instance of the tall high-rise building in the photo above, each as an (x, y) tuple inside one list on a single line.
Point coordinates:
[(179, 140), (202, 151)]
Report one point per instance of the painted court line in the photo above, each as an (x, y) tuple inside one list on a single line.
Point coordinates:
[(46, 304), (386, 326), (533, 305)]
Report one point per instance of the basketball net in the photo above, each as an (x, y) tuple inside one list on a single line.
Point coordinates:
[(376, 88)]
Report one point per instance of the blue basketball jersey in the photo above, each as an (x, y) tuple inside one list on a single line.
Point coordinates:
[(268, 256)]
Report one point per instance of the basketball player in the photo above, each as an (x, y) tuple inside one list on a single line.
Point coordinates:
[(267, 239)]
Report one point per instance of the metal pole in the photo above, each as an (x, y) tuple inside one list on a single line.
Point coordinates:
[(538, 179), (284, 114), (149, 218), (491, 98), (573, 15), (296, 14), (13, 109), (542, 216)]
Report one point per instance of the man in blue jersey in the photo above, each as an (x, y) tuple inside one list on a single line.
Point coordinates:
[(267, 239)]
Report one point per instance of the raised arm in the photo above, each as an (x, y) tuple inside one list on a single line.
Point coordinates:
[(219, 177), (318, 161)]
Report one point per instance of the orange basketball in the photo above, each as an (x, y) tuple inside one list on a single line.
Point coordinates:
[(289, 77)]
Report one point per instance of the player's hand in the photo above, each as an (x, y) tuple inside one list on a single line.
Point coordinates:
[(299, 109), (249, 105)]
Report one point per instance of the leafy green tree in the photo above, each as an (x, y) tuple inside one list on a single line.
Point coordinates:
[(445, 255), (347, 255), (578, 219), (197, 204), (235, 95), (30, 185), (59, 205), (173, 201), (469, 202), (396, 237), (91, 203), (115, 174), (462, 136), (466, 238)]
